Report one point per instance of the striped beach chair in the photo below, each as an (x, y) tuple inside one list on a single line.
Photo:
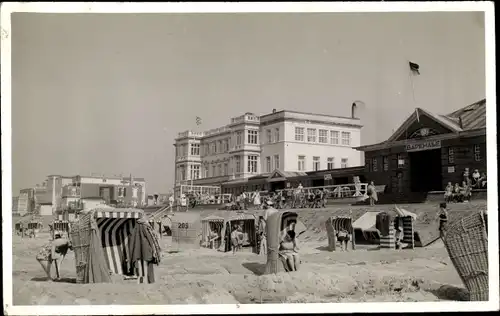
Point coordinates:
[(336, 224)]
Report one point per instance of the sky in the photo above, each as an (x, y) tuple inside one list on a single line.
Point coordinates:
[(108, 93)]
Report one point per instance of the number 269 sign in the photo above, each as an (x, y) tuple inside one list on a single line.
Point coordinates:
[(183, 226)]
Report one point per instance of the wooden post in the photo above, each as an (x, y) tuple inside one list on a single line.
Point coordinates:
[(334, 243), (353, 241)]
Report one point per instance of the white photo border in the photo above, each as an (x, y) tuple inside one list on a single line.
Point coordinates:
[(218, 7)]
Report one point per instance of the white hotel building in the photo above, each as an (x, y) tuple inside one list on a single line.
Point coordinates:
[(250, 145)]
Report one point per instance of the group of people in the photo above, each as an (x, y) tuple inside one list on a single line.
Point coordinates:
[(280, 199), (462, 193)]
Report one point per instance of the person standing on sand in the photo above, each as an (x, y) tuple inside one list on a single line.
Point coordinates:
[(54, 252), (236, 238), (443, 219), (372, 193), (262, 236)]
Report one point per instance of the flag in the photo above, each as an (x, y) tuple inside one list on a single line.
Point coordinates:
[(414, 68), (198, 120)]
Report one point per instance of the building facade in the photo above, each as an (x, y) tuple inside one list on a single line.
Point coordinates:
[(428, 151), (251, 145), (114, 190), (67, 192)]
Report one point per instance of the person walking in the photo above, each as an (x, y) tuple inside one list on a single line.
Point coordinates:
[(54, 252)]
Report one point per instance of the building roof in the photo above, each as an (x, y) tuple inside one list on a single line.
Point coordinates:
[(473, 118), (473, 115)]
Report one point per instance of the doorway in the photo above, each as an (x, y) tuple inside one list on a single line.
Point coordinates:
[(278, 185), (318, 182), (425, 171)]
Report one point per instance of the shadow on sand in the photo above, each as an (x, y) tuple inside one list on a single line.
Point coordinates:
[(61, 280), (450, 293), (256, 268), (323, 248)]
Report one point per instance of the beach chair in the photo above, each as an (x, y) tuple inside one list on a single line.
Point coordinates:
[(277, 225), (466, 241), (336, 224)]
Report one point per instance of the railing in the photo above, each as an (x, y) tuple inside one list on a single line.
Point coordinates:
[(216, 131), (337, 191), (189, 134), (245, 117)]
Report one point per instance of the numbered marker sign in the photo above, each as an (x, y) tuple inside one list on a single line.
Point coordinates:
[(183, 225)]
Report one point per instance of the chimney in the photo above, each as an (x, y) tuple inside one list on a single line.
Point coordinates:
[(353, 110), (274, 111)]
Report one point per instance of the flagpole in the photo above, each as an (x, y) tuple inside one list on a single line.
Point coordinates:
[(413, 91)]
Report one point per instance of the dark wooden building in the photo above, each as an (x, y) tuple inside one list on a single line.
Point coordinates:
[(429, 150)]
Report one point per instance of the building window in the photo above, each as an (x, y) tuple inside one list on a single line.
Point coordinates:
[(401, 161), (299, 134), (206, 171), (226, 145), (221, 149), (374, 164), (477, 153), (120, 192), (330, 163), (195, 149), (238, 138), (277, 135), (252, 137), (334, 137), (269, 136), (451, 155), (323, 136), (124, 192), (213, 171), (315, 163), (182, 174), (311, 135), (238, 164), (268, 164), (207, 150), (220, 170), (302, 163), (385, 162), (214, 148), (276, 161), (346, 138), (343, 163), (252, 164), (226, 169), (195, 172)]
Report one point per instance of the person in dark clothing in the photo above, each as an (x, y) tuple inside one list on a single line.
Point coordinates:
[(443, 219)]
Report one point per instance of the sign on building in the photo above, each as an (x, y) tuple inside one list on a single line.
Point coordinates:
[(420, 146), (328, 177)]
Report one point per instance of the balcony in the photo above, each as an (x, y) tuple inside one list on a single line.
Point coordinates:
[(71, 191), (215, 131), (243, 147), (190, 134), (188, 157), (246, 118)]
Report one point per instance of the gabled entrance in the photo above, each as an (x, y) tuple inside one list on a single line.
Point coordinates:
[(277, 180), (427, 124)]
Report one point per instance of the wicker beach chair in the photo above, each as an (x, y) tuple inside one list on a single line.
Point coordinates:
[(466, 241)]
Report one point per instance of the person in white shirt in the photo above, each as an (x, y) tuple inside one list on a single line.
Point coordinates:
[(171, 201), (256, 199)]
